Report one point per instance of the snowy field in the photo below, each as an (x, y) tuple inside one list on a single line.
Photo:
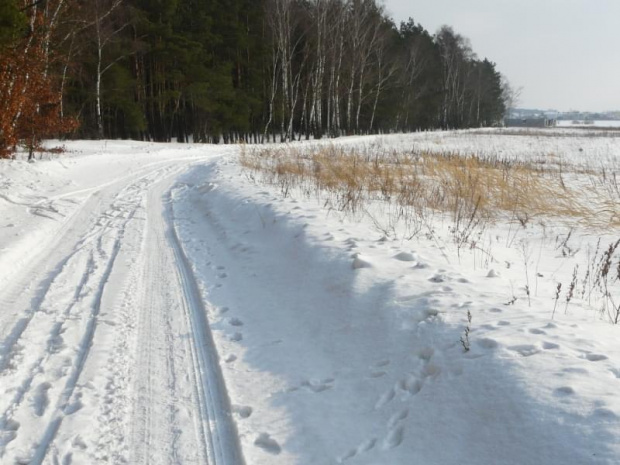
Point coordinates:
[(596, 123), (161, 304), (592, 149)]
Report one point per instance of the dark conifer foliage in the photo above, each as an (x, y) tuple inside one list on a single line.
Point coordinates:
[(250, 70)]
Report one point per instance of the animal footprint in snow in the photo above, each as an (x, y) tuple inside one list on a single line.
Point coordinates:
[(242, 411), (237, 337), (57, 343), (605, 414), (426, 353), (487, 343), (525, 350), (79, 442), (596, 357), (268, 444), (394, 438), (367, 445), (550, 345), (319, 386), (349, 455), (431, 370), (385, 398), (10, 430), (231, 358), (405, 257), (437, 278), (359, 263), (74, 406), (564, 391), (41, 398), (351, 242), (430, 313), (410, 385), (537, 331), (573, 370), (397, 418), (235, 322)]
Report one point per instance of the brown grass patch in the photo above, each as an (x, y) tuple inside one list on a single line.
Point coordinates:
[(470, 188)]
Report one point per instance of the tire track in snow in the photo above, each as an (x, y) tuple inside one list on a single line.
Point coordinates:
[(26, 384), (218, 429), (84, 349), (62, 403), (13, 336), (45, 284), (59, 320), (113, 221), (30, 271), (182, 384), (113, 413), (156, 435)]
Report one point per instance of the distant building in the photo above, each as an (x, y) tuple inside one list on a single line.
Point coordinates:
[(539, 122)]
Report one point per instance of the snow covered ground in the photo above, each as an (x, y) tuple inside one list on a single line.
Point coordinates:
[(159, 305), (590, 149), (596, 123)]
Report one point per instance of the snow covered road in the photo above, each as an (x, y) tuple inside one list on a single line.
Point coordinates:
[(106, 355)]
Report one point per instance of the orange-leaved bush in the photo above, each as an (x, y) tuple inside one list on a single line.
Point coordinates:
[(30, 99)]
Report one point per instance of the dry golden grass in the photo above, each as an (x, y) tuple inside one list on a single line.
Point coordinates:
[(465, 186)]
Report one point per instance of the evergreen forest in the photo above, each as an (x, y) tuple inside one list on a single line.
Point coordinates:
[(223, 71)]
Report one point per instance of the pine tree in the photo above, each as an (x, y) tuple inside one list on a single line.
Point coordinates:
[(12, 22)]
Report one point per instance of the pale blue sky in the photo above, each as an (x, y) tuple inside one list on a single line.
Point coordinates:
[(565, 54)]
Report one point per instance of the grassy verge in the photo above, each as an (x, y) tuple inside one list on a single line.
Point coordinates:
[(467, 187)]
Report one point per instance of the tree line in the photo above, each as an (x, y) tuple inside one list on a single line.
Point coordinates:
[(232, 70)]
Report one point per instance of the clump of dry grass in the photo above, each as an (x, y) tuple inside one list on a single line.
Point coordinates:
[(472, 189), (607, 276)]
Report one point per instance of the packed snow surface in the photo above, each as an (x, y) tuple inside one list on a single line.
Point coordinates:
[(159, 305)]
